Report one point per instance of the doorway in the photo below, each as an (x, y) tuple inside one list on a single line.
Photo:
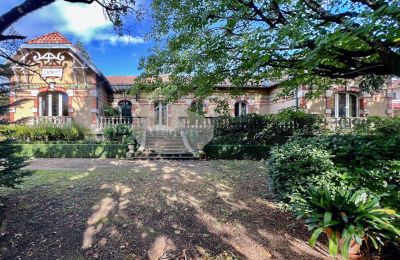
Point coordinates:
[(160, 114)]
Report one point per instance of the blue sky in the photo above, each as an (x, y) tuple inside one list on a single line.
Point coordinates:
[(112, 54)]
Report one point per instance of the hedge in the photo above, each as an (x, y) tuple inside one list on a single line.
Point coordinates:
[(39, 150), (221, 151)]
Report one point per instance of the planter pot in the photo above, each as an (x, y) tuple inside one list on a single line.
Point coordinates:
[(354, 249)]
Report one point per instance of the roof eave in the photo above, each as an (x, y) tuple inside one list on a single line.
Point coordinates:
[(63, 46)]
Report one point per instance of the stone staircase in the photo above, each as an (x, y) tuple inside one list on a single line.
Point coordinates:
[(165, 145)]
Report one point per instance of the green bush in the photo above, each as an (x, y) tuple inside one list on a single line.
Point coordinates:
[(118, 133), (42, 150), (110, 111), (378, 125), (43, 132), (253, 129), (295, 165), (368, 162), (236, 151)]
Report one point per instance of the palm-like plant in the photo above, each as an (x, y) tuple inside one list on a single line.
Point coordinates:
[(348, 217)]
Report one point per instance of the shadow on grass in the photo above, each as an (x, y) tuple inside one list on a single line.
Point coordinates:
[(153, 210)]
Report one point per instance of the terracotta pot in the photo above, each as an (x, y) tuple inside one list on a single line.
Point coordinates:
[(354, 249)]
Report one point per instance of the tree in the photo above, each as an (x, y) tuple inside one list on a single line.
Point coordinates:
[(309, 42)]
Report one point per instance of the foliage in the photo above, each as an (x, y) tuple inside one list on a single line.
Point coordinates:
[(378, 125), (295, 165), (299, 42), (11, 164), (43, 132), (368, 162), (118, 133), (349, 216), (110, 111), (64, 150), (264, 130), (239, 152)]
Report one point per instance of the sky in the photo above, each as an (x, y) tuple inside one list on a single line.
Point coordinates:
[(112, 54)]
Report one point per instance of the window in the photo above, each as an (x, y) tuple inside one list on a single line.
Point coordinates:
[(240, 108), (53, 104), (346, 105), (125, 108), (197, 107)]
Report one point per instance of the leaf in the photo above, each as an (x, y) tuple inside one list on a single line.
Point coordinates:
[(333, 244), (314, 236), (374, 242), (327, 218), (345, 248)]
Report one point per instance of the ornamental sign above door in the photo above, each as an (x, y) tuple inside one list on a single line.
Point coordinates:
[(48, 72)]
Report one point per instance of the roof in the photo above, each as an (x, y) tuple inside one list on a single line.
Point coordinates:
[(56, 40), (50, 38), (121, 80), (121, 83)]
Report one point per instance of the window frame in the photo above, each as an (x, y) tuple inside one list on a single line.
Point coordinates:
[(46, 99), (347, 104), (240, 105)]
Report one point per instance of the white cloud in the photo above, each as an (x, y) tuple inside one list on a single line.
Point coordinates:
[(115, 39), (89, 23)]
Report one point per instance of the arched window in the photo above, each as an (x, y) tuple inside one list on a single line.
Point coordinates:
[(197, 107), (125, 108), (53, 104), (346, 105), (240, 108)]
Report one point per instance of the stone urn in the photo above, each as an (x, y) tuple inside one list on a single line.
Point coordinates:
[(131, 153)]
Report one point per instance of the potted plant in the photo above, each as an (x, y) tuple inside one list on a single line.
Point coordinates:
[(348, 218)]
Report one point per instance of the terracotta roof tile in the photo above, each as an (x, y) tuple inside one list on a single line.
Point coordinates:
[(50, 38), (121, 80)]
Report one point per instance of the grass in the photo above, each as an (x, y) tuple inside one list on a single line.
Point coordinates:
[(80, 209)]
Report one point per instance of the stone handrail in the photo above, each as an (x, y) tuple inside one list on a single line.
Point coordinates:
[(106, 121), (343, 123), (52, 120), (186, 122), (331, 123)]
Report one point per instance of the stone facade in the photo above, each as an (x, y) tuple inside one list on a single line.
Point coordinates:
[(61, 82)]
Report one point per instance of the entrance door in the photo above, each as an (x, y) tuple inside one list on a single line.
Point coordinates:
[(160, 114)]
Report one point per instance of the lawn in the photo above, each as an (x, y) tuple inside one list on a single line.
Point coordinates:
[(104, 208)]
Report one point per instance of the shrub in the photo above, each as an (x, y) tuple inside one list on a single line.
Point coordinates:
[(295, 165), (368, 162), (252, 129), (347, 217), (59, 150), (43, 132), (110, 111), (378, 125), (236, 151), (118, 133), (239, 130)]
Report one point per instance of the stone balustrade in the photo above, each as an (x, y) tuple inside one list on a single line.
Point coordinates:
[(186, 122), (52, 120), (343, 123), (106, 121)]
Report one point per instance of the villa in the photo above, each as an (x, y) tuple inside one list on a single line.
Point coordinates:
[(62, 85)]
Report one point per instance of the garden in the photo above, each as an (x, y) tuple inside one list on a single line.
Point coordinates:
[(343, 183)]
